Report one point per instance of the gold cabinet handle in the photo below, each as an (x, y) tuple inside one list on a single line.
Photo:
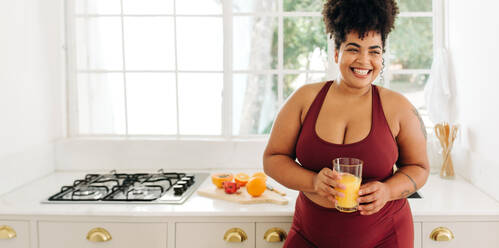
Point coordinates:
[(274, 235), (441, 234), (98, 235), (235, 235), (7, 232)]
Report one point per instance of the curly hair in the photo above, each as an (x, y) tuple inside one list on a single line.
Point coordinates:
[(362, 16)]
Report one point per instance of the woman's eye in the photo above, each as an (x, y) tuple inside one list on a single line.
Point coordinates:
[(375, 52), (352, 50)]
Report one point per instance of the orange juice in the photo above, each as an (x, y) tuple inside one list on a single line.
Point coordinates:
[(348, 203)]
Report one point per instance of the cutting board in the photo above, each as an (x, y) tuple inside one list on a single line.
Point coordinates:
[(243, 197)]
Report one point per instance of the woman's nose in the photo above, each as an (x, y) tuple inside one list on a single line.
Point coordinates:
[(363, 58)]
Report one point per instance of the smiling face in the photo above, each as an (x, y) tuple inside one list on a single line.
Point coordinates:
[(360, 60)]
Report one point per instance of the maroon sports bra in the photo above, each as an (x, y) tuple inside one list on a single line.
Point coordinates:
[(378, 150)]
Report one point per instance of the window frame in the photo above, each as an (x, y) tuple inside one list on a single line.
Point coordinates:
[(227, 15), (438, 16)]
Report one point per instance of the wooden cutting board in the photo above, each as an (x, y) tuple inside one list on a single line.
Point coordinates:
[(243, 197)]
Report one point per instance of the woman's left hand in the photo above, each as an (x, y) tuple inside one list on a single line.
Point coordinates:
[(376, 194)]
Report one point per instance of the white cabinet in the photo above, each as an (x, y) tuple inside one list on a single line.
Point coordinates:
[(466, 234), (275, 232), (417, 235), (189, 235), (209, 233), (14, 234), (212, 234), (108, 235)]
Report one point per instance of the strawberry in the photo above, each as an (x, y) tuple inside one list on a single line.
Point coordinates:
[(230, 187)]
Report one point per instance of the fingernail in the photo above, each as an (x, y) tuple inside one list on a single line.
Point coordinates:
[(360, 192)]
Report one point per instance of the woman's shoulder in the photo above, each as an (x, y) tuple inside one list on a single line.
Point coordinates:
[(393, 100), (397, 108)]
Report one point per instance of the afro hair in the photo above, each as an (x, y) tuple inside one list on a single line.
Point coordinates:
[(344, 16)]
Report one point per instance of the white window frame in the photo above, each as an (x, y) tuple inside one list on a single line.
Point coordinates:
[(391, 72), (245, 151), (227, 128), (438, 15)]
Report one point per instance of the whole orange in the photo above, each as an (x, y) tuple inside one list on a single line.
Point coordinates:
[(256, 186)]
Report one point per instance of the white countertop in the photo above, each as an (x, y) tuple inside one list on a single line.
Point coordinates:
[(441, 199)]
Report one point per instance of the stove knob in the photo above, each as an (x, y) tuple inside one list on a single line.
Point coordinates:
[(183, 184), (188, 180), (178, 189), (191, 178)]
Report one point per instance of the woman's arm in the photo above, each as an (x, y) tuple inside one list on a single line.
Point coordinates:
[(412, 162), (279, 155)]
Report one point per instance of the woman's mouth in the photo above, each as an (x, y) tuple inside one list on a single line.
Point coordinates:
[(361, 73)]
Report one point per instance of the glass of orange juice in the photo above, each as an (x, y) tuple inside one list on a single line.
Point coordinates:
[(350, 170)]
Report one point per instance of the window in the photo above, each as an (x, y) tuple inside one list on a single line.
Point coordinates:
[(278, 46), (410, 51), (214, 68)]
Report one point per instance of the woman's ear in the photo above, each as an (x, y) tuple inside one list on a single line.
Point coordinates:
[(336, 55)]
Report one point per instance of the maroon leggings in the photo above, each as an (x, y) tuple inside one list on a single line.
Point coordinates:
[(317, 226)]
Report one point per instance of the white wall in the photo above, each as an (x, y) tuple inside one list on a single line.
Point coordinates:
[(473, 44), (152, 154), (31, 89)]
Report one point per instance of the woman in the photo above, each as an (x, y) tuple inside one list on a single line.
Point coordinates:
[(350, 117)]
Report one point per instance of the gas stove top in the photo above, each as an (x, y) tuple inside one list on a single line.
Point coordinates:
[(160, 187)]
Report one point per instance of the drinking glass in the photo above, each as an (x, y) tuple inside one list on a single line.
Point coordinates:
[(350, 170)]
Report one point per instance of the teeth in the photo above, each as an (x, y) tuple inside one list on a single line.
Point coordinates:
[(361, 72)]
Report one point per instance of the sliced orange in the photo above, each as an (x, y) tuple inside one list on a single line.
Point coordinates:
[(219, 178), (259, 174), (256, 186), (241, 178)]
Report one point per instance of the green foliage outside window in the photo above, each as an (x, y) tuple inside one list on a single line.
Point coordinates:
[(415, 5), (303, 5), (411, 43)]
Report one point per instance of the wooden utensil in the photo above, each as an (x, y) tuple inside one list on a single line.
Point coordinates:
[(440, 133), (271, 188), (449, 167), (447, 132)]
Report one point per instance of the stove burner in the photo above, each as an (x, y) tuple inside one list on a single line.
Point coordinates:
[(144, 193), (161, 187), (83, 192)]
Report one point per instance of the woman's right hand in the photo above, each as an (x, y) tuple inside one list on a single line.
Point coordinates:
[(324, 183)]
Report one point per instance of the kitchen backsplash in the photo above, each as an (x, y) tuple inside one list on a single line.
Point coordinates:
[(31, 89)]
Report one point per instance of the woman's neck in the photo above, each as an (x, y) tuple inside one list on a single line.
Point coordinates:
[(346, 90)]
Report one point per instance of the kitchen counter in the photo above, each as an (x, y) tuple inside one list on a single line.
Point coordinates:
[(456, 199)]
